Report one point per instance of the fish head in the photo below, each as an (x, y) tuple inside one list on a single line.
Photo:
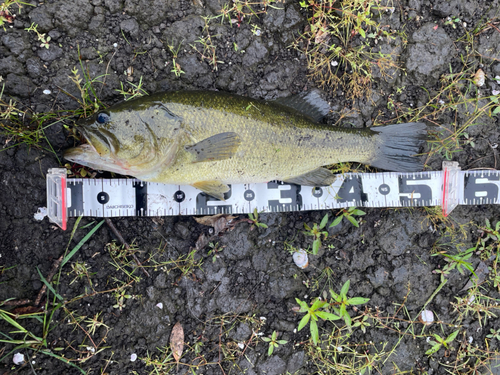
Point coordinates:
[(127, 140)]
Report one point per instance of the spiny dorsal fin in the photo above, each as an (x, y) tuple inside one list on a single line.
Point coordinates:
[(309, 103), (217, 147)]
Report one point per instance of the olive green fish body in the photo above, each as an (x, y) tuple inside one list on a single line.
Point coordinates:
[(210, 139)]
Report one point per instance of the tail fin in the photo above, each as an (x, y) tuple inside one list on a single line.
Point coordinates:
[(398, 145)]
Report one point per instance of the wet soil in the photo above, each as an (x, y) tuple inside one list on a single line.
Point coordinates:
[(251, 285)]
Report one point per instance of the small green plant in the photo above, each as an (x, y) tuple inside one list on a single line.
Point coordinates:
[(254, 218), (135, 91), (458, 261), (341, 302), (209, 47), (41, 37), (489, 242), (349, 214), (362, 323), (273, 342), (452, 21), (312, 314), (436, 345), (176, 68), (214, 249), (6, 14), (494, 334), (338, 45), (316, 232), (81, 270), (121, 296)]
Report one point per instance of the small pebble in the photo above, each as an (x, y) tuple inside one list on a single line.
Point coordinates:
[(18, 359), (427, 317), (47, 92), (300, 258), (133, 357), (160, 305)]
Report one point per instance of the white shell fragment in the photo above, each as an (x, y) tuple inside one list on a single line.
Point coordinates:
[(47, 92), (479, 78), (41, 213), (300, 258), (133, 357), (427, 317), (159, 305), (18, 359)]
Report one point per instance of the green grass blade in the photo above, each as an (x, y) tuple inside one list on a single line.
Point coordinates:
[(80, 244), (48, 285)]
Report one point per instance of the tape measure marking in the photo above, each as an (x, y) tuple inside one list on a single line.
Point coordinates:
[(131, 197)]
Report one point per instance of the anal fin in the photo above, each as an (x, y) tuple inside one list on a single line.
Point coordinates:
[(317, 177), (214, 188), (217, 147)]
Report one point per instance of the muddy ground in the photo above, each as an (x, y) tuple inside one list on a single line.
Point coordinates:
[(227, 303)]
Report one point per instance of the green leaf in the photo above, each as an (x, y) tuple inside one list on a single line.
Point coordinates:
[(357, 301), (282, 342), (48, 285), (266, 339), (314, 332), (437, 337), (336, 221), (323, 222), (433, 350), (362, 32), (307, 227), (327, 316), (304, 321), (317, 304), (80, 244), (345, 288), (303, 305), (343, 310), (347, 319), (496, 111), (316, 244), (451, 337), (358, 212), (353, 221), (335, 296), (270, 350)]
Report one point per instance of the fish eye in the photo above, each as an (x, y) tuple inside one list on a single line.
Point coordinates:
[(102, 118)]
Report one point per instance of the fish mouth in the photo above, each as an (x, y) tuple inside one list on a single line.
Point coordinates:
[(87, 155), (83, 154)]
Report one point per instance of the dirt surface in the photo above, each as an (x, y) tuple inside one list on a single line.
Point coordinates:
[(228, 300)]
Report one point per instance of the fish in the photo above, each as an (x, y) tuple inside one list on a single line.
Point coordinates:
[(210, 139)]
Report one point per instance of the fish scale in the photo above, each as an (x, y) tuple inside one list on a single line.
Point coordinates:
[(73, 197)]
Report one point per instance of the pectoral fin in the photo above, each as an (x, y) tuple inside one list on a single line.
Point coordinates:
[(214, 188), (217, 147), (317, 177)]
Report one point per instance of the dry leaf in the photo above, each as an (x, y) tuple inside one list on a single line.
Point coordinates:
[(481, 272), (219, 222), (201, 242), (177, 341)]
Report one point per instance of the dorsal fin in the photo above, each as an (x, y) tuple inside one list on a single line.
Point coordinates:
[(309, 103)]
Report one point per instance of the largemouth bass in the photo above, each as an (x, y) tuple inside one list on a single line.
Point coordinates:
[(211, 139)]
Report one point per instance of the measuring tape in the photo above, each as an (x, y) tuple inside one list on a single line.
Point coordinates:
[(73, 197)]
